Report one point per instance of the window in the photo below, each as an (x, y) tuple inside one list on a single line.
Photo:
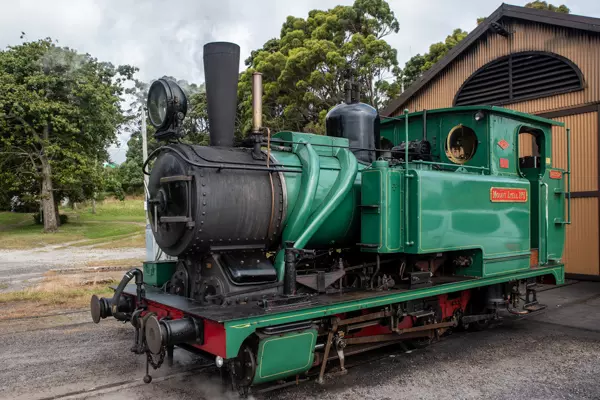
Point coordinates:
[(520, 76), (530, 144), (461, 144)]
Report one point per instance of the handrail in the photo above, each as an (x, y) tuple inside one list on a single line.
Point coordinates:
[(567, 193), (450, 165), (544, 259), (406, 180)]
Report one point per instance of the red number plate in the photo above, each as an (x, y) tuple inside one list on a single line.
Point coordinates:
[(554, 174), (508, 195)]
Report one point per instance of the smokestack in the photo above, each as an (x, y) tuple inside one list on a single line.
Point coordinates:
[(221, 69)]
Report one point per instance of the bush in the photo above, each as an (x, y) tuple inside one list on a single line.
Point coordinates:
[(37, 219), (63, 219)]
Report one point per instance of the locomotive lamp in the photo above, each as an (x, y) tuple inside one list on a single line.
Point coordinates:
[(167, 106)]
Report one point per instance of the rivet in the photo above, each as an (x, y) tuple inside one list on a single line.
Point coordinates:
[(204, 194), (203, 212), (203, 203), (203, 184)]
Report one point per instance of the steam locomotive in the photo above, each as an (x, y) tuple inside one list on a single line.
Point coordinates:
[(294, 250)]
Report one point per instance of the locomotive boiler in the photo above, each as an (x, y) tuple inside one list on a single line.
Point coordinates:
[(293, 249)]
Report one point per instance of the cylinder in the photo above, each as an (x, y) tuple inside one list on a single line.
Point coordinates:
[(221, 70), (171, 332), (257, 89)]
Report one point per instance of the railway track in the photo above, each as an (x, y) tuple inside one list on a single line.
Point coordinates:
[(130, 383)]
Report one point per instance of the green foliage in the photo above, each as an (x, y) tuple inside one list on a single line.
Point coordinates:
[(304, 70), (419, 64), (112, 184), (542, 5), (59, 112), (539, 5)]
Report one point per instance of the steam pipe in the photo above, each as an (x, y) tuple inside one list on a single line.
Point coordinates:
[(129, 275), (257, 90), (101, 307), (308, 189)]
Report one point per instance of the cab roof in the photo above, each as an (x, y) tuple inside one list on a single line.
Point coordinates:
[(493, 109)]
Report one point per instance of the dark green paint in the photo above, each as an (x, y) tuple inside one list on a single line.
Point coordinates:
[(288, 354), (449, 211), (381, 213), (157, 273)]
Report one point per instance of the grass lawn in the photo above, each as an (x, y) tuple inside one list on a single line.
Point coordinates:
[(115, 224)]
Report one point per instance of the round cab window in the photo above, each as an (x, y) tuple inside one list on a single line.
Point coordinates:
[(461, 144)]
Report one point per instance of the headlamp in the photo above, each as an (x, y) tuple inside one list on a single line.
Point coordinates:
[(167, 106)]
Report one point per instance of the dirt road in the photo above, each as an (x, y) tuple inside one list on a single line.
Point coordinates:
[(555, 355), (20, 268)]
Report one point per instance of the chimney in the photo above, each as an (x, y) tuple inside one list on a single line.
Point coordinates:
[(221, 70)]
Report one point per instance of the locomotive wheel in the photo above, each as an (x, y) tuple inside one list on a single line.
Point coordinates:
[(243, 370)]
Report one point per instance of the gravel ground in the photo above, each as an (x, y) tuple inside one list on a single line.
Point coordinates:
[(19, 268), (555, 355)]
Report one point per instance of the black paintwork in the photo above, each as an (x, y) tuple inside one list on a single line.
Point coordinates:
[(221, 69)]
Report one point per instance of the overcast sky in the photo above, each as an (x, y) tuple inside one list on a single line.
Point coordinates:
[(166, 37)]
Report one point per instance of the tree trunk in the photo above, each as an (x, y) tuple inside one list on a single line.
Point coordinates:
[(48, 205), (94, 204), (56, 210)]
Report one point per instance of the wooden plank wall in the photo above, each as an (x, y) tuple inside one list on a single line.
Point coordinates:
[(580, 47), (581, 248)]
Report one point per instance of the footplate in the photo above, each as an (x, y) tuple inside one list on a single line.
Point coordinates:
[(534, 307), (531, 301)]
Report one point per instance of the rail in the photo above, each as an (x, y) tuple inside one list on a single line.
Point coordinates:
[(450, 165)]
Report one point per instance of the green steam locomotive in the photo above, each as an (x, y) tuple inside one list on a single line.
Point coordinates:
[(293, 250)]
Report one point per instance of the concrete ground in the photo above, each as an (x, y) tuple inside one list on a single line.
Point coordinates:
[(554, 355)]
